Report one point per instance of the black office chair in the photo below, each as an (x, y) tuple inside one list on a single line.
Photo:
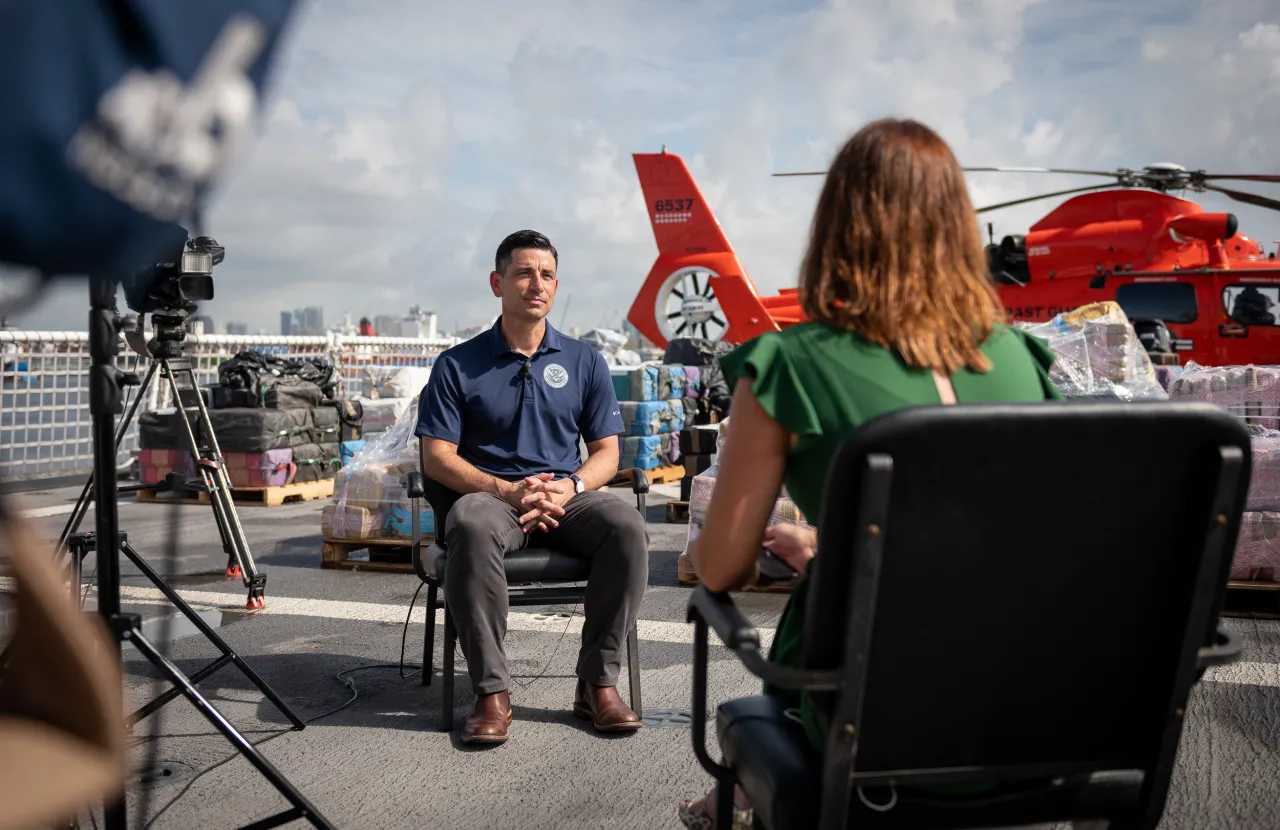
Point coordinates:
[(1000, 595), (527, 572)]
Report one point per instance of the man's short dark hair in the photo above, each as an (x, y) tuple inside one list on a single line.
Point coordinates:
[(519, 240)]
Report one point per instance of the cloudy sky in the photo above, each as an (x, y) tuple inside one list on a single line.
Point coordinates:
[(402, 140)]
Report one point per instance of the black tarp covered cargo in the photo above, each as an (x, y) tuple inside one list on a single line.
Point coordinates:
[(259, 430), (324, 425), (164, 430), (350, 418), (255, 378), (316, 461), (289, 392)]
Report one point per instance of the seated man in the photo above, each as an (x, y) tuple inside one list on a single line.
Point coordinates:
[(500, 422)]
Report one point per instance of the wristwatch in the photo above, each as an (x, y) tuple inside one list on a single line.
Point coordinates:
[(578, 486)]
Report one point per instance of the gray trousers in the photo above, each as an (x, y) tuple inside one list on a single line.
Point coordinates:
[(482, 529)]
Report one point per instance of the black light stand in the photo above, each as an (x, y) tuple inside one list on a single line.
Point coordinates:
[(105, 403)]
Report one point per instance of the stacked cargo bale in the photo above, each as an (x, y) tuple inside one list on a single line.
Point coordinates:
[(164, 445), (275, 421), (656, 401), (1252, 394)]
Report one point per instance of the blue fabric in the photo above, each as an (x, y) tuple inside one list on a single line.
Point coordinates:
[(509, 425), (78, 194), (400, 521), (348, 450)]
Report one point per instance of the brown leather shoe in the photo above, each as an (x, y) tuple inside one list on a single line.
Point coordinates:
[(603, 706), (489, 719)]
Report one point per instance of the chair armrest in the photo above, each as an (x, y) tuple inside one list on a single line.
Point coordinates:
[(1225, 650), (417, 554), (718, 611), (414, 485), (639, 481)]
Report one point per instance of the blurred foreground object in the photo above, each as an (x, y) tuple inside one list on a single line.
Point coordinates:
[(61, 729), (126, 114)]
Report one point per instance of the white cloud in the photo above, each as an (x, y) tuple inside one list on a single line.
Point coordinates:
[(404, 140)]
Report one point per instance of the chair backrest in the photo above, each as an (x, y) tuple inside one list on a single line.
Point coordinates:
[(1036, 580), (441, 499), (60, 701)]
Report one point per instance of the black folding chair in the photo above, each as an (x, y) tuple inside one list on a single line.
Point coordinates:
[(535, 576), (1015, 593)]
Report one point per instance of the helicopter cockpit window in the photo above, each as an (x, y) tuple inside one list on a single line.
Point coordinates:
[(1172, 302), (1252, 305)]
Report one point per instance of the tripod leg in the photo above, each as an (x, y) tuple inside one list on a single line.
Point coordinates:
[(219, 486), (82, 503), (248, 750), (212, 636)]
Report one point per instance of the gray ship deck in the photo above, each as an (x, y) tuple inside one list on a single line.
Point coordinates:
[(381, 762)]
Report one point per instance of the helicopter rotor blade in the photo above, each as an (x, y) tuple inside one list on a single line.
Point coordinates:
[(1046, 196), (1247, 198), (1242, 177), (1113, 174)]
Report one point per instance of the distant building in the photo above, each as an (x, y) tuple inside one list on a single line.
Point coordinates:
[(241, 329), (199, 324), (313, 319), (386, 325), (419, 323), (309, 320)]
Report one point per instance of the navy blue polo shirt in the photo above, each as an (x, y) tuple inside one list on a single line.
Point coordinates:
[(514, 416)]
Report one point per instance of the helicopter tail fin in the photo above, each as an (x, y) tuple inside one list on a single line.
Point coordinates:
[(692, 246), (682, 221)]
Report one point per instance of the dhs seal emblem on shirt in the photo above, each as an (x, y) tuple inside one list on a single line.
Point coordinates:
[(555, 376)]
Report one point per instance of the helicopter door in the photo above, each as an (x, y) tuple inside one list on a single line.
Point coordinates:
[(1250, 327)]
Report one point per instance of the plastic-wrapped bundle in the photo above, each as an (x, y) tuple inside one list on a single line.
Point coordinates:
[(1264, 478), (369, 498), (638, 383), (394, 381), (1257, 554), (647, 452), (672, 382), (1251, 393), (693, 381), (1098, 355), (1166, 375), (653, 417)]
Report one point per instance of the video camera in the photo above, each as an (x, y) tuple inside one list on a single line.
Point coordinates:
[(169, 291), (175, 286)]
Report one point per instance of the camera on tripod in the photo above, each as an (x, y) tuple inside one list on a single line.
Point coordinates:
[(170, 291)]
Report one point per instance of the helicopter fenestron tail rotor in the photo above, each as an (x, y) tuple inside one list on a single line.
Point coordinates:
[(1163, 177)]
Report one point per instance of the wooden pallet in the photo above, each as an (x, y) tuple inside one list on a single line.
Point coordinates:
[(678, 512), (658, 475), (247, 496), (385, 555), (686, 576), (1258, 600)]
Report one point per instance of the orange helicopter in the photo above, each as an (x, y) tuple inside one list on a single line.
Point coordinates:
[(1166, 261)]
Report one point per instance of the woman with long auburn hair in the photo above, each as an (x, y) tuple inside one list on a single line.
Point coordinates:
[(902, 312)]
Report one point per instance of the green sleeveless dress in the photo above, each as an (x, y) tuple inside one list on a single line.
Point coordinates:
[(820, 383)]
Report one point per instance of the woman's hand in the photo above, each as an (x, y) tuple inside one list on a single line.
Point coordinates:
[(793, 544)]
